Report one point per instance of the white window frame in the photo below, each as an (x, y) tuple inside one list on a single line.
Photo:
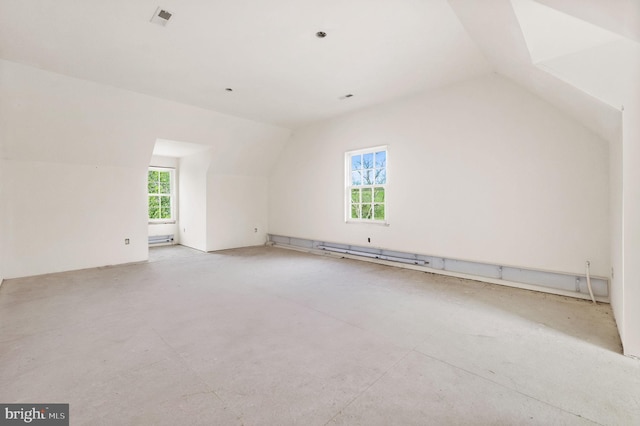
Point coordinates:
[(172, 194), (349, 186)]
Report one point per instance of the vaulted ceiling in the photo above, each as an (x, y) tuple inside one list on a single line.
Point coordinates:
[(280, 72), (267, 52)]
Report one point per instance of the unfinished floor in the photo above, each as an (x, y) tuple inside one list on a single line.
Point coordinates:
[(267, 336)]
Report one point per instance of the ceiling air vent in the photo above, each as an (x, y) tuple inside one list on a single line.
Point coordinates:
[(161, 17)]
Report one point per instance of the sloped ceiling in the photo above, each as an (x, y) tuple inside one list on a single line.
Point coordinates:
[(550, 34), (579, 67), (619, 16), (580, 55), (266, 51), (602, 63)]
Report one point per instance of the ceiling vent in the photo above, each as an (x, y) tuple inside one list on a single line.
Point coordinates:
[(161, 17)]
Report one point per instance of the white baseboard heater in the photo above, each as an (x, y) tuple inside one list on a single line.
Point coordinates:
[(573, 285), (160, 239)]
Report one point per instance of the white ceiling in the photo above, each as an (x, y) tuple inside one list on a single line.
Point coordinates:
[(550, 34), (267, 51), (620, 16), (537, 48), (282, 74), (601, 63)]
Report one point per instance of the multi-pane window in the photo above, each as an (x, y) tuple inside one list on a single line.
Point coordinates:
[(367, 185), (160, 184)]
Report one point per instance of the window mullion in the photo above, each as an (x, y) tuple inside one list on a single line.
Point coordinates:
[(368, 162)]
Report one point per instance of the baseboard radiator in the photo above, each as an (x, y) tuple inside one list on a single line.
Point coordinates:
[(566, 284), (160, 239)]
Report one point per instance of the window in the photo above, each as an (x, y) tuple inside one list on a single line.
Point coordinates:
[(366, 178), (161, 200)]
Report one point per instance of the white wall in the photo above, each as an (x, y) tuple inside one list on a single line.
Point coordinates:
[(236, 205), (167, 228), (220, 211), (55, 212), (616, 231), (609, 72), (57, 128), (481, 171), (630, 321), (192, 204)]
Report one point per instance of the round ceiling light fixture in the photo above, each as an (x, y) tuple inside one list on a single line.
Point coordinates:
[(321, 34)]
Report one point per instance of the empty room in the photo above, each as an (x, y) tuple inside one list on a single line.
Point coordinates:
[(382, 212)]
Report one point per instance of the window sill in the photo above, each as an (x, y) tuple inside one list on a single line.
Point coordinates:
[(367, 222), (162, 222)]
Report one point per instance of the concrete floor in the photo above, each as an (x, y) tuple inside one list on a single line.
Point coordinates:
[(266, 336)]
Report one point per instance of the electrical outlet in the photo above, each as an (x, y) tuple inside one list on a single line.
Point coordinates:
[(368, 239), (255, 230), (126, 241)]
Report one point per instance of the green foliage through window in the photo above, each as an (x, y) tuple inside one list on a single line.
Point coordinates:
[(159, 187), (367, 175)]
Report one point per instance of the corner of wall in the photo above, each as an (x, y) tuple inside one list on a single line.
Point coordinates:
[(237, 213), (631, 228), (616, 232), (192, 200)]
